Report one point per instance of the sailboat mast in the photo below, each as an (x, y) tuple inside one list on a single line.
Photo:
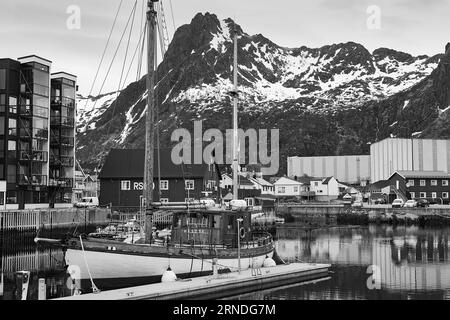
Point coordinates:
[(149, 121), (235, 119)]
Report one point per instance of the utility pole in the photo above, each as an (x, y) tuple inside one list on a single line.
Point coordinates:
[(235, 119), (149, 121)]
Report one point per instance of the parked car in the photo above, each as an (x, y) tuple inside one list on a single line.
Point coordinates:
[(380, 201), (87, 202), (398, 203), (357, 204), (410, 204), (423, 203)]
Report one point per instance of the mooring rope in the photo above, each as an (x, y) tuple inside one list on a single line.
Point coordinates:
[(94, 287)]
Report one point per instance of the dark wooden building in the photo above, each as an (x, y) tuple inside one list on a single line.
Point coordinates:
[(122, 176), (431, 185)]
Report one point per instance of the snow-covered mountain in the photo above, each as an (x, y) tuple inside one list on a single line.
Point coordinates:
[(279, 87)]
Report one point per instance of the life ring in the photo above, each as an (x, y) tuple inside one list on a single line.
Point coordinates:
[(242, 233)]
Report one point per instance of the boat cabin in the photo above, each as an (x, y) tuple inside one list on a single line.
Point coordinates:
[(214, 227)]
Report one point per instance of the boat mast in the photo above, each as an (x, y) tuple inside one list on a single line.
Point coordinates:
[(149, 121), (235, 119)]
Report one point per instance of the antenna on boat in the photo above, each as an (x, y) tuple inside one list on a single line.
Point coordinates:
[(235, 94), (150, 118)]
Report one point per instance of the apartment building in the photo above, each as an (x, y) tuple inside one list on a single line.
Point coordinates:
[(37, 133)]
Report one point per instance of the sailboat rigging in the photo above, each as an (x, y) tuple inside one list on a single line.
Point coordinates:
[(200, 235)]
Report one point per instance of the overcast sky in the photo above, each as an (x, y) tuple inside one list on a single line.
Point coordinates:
[(40, 27)]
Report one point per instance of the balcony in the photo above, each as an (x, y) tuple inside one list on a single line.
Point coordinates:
[(61, 182), (25, 111), (67, 142), (41, 134), (64, 161), (57, 103), (37, 156), (32, 180), (62, 121)]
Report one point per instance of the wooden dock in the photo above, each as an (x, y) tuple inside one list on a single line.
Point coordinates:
[(224, 285)]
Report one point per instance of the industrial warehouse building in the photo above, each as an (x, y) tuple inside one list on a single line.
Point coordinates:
[(347, 169), (393, 154)]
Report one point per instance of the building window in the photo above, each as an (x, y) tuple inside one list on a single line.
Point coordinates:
[(12, 105), (281, 189), (411, 183), (11, 197), (413, 195), (189, 184), (164, 200), (12, 128), (2, 198), (2, 79), (434, 195), (434, 182), (295, 189), (2, 103), (125, 185), (250, 202), (423, 183), (423, 194), (445, 183), (187, 200), (316, 184), (445, 195), (12, 147), (164, 185)]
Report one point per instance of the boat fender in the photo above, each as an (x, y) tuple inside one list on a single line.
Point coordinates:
[(242, 233), (269, 262), (169, 276)]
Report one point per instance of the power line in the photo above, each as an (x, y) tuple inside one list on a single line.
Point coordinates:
[(104, 53)]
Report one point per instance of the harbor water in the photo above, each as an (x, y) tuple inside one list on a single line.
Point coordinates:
[(369, 262)]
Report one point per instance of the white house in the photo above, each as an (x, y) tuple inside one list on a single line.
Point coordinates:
[(263, 185), (244, 183), (325, 189), (287, 187)]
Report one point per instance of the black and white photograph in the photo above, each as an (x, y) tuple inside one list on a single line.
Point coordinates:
[(232, 153)]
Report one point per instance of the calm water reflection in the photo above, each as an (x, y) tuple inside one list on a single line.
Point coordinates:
[(413, 263)]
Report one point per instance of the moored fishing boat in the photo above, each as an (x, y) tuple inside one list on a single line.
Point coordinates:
[(198, 237)]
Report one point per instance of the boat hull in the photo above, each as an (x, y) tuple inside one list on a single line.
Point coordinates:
[(118, 262)]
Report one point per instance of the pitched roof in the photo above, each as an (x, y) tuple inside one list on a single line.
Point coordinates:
[(327, 180), (264, 182), (129, 163), (379, 185), (422, 174), (286, 180)]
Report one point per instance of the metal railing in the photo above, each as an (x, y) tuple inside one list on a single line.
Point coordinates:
[(34, 180)]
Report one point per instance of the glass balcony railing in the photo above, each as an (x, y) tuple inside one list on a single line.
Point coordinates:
[(61, 182), (62, 121), (33, 180), (67, 141), (64, 161), (41, 134), (25, 111), (38, 156)]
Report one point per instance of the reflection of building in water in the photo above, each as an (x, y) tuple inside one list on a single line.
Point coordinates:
[(410, 262), (414, 263), (33, 261), (48, 264)]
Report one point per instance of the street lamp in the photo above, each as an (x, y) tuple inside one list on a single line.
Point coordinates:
[(239, 244)]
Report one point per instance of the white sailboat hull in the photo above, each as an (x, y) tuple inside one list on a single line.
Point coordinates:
[(108, 265)]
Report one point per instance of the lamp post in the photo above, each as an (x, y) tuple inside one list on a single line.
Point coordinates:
[(239, 244)]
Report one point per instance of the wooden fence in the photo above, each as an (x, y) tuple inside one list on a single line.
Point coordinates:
[(22, 220)]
